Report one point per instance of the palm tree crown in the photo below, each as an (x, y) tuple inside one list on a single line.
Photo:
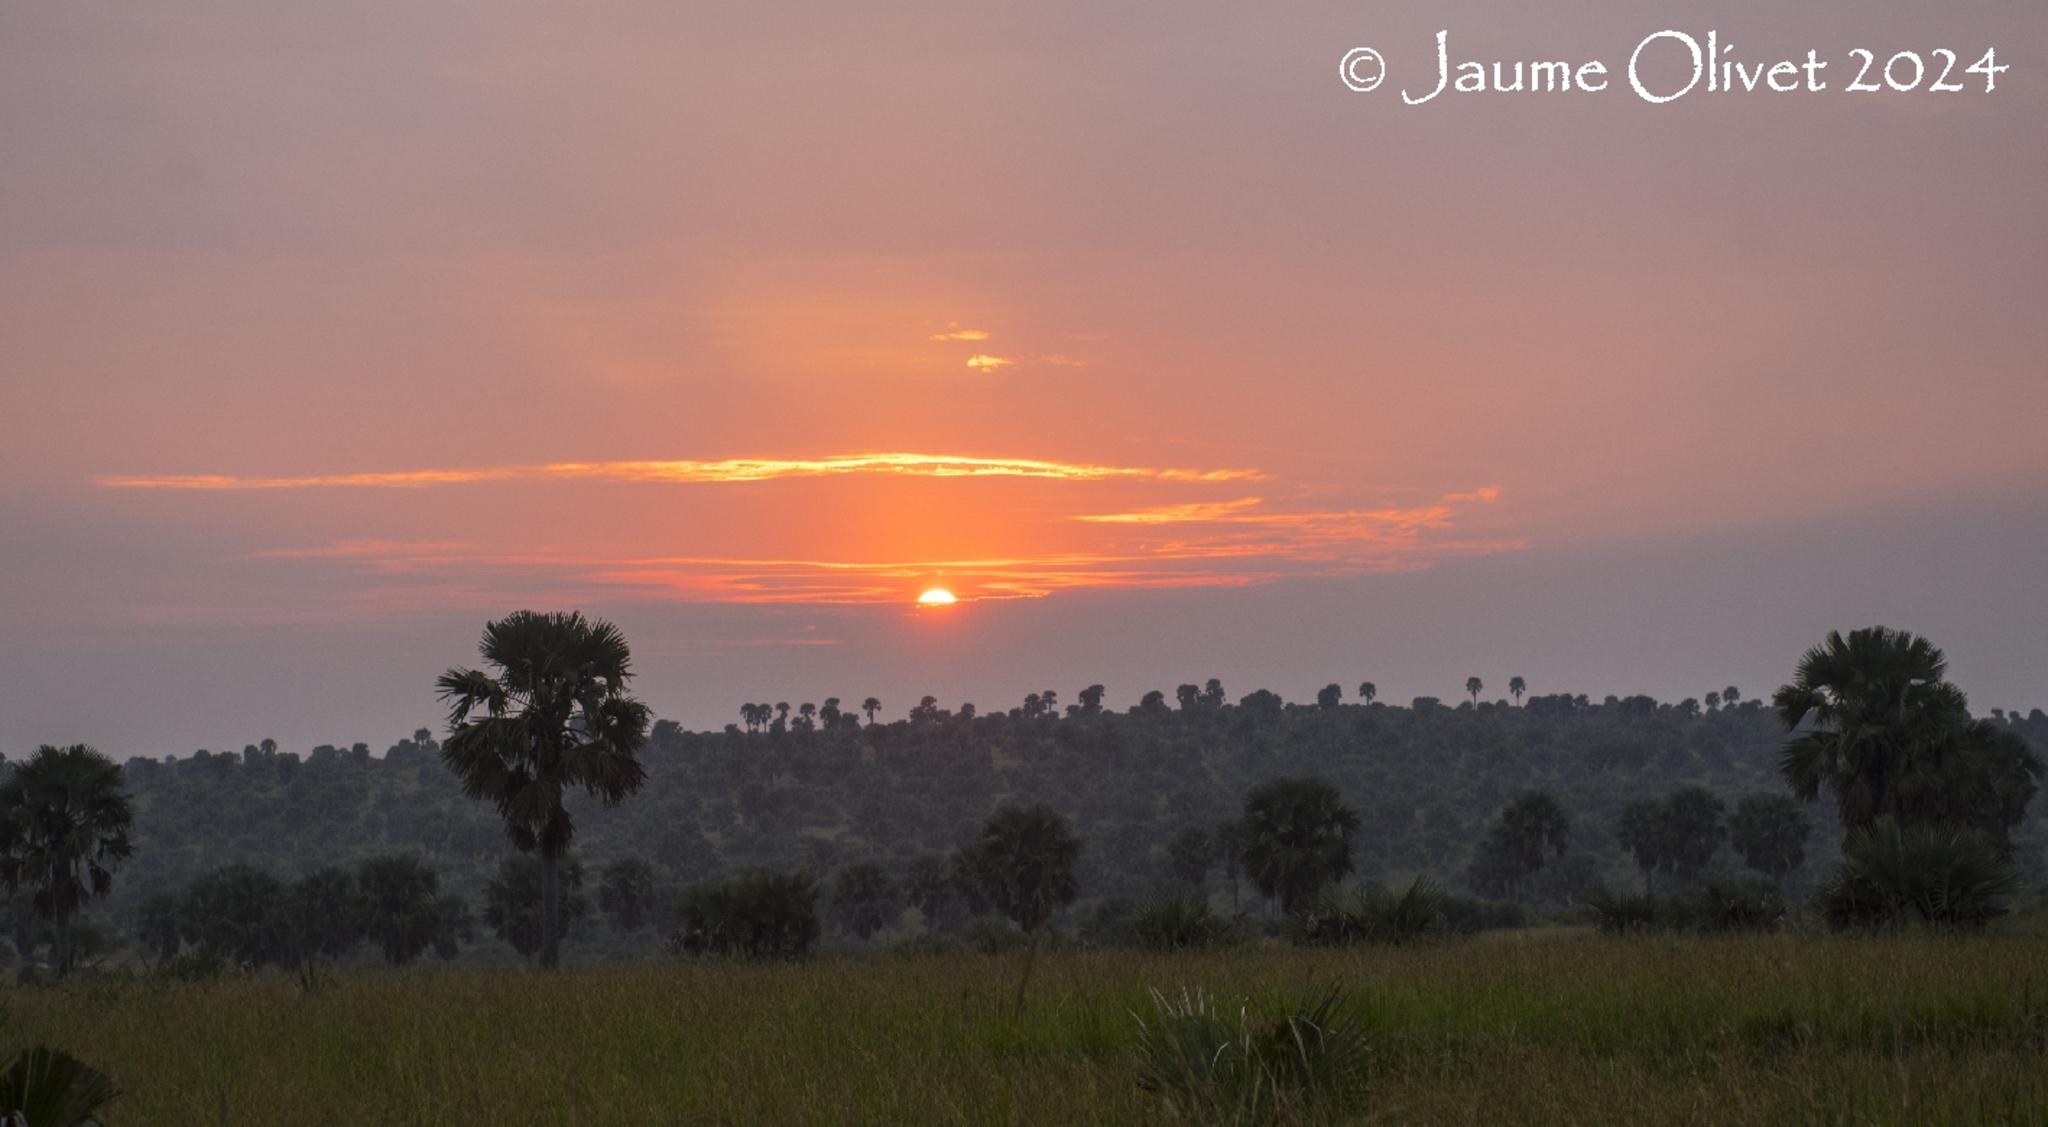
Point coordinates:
[(551, 715), (1871, 716), (63, 830)]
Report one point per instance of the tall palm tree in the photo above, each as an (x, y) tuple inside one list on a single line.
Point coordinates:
[(871, 706), (1023, 865), (1516, 687), (1871, 717), (63, 831), (555, 715), (1367, 691), (1474, 686), (1296, 837)]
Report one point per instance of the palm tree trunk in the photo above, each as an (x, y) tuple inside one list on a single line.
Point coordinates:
[(1030, 957), (62, 955), (550, 910)]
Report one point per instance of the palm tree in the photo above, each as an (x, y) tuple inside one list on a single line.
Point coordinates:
[(1367, 691), (63, 831), (1023, 865), (1516, 687), (1474, 686), (1871, 716), (1296, 838), (871, 706), (555, 715)]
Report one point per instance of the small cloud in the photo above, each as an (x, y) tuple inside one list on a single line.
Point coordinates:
[(983, 362), (1193, 513), (1063, 361), (1484, 495), (955, 332)]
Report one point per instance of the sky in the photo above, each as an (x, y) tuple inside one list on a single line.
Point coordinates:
[(330, 331)]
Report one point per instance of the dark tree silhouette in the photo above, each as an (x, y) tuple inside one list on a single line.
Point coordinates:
[(403, 906), (1516, 687), (324, 915), (1023, 863), (1874, 721), (1530, 828), (1329, 696), (625, 893), (64, 826), (516, 900), (1191, 854), (555, 715), (864, 899), (871, 706), (1367, 691), (1770, 831), (1296, 837), (1474, 686)]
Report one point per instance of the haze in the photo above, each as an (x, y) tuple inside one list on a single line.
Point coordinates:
[(329, 331)]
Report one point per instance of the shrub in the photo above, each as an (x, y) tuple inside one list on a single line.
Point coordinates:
[(1893, 876), (1178, 923), (1376, 915), (1623, 913), (761, 914), (1306, 1063), (1728, 903)]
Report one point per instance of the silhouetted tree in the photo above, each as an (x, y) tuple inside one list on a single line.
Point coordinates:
[(402, 906), (1328, 696), (1297, 837), (1516, 687), (516, 900), (1023, 863), (871, 706), (1191, 854), (1091, 700), (928, 887), (625, 893), (324, 915), (1530, 828), (1770, 831), (864, 899), (1474, 686), (1874, 720), (556, 715), (64, 826), (1368, 692), (236, 913)]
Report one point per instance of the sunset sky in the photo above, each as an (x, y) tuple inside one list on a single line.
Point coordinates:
[(329, 331)]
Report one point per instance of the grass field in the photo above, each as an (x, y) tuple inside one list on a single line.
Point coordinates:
[(1534, 1028)]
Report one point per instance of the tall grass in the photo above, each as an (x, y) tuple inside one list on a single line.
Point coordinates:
[(1508, 1028)]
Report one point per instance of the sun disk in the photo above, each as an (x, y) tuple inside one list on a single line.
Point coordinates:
[(936, 597)]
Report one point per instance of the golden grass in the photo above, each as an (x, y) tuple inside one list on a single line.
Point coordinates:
[(1556, 1028)]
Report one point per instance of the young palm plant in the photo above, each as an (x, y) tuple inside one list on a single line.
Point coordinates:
[(46, 1087), (63, 830), (1306, 1064), (550, 715)]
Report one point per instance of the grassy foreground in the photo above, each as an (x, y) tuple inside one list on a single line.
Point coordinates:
[(1558, 1028)]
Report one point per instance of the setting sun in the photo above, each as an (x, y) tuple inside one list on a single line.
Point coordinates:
[(936, 597)]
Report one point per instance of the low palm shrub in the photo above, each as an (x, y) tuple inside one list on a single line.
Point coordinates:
[(1375, 915), (762, 914), (1894, 876), (1299, 1064), (1178, 923), (45, 1087)]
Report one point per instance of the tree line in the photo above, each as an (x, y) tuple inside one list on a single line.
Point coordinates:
[(546, 735)]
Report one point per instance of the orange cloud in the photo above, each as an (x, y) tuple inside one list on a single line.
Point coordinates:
[(955, 332), (1231, 545), (692, 472), (982, 362)]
